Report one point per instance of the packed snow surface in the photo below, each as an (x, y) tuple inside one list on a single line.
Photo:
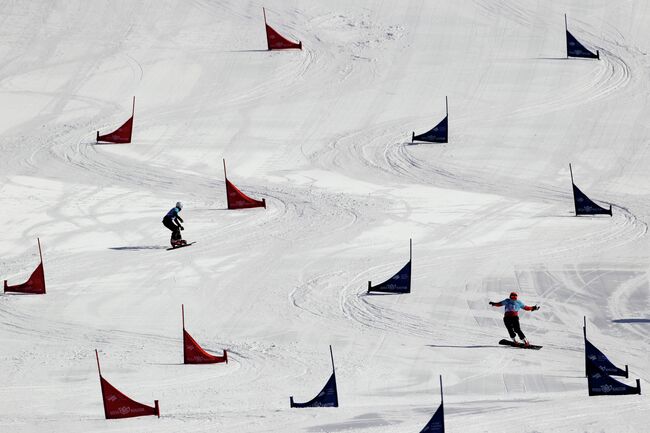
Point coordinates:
[(324, 135)]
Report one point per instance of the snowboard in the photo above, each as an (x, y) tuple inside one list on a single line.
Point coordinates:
[(520, 345), (181, 246)]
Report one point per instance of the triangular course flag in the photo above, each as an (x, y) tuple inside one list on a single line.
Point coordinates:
[(35, 285), (575, 48), (439, 133), (601, 383), (583, 204), (599, 360), (193, 353), (437, 422), (237, 199), (275, 41), (118, 405), (122, 134), (398, 283), (328, 397)]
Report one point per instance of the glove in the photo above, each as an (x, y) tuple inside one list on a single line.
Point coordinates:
[(535, 307), (492, 303), (181, 227)]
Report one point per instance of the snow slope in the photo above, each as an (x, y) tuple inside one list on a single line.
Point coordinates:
[(323, 134)]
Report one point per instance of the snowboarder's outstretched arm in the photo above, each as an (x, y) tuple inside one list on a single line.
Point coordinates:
[(500, 303), (521, 305)]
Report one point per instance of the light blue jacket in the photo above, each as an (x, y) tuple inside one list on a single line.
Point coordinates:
[(512, 307)]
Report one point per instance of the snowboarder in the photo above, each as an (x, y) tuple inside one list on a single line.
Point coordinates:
[(173, 222), (511, 316)]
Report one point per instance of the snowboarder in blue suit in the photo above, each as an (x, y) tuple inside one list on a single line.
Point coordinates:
[(173, 222), (511, 316)]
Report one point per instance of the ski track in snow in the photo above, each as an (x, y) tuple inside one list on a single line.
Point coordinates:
[(323, 135)]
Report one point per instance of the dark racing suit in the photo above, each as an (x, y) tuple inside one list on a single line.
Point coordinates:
[(171, 221)]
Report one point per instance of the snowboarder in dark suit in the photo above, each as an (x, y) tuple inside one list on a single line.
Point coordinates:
[(173, 222)]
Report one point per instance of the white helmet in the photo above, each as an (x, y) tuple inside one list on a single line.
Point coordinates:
[(179, 205)]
